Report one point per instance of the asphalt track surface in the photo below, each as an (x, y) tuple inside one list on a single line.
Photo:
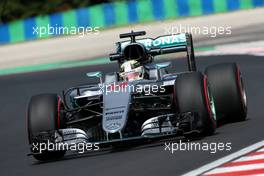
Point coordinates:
[(16, 91)]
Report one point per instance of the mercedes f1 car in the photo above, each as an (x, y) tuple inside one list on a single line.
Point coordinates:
[(141, 101)]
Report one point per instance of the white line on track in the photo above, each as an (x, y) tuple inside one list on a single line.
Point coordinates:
[(261, 150), (225, 159), (250, 158), (222, 170)]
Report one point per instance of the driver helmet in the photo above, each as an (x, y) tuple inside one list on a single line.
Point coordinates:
[(131, 70)]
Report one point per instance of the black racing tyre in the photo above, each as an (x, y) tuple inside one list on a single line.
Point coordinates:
[(192, 94), (228, 91), (44, 115)]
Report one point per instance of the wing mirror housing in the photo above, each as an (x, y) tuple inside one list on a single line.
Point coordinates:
[(162, 65), (96, 74)]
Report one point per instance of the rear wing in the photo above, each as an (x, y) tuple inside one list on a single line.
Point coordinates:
[(161, 45)]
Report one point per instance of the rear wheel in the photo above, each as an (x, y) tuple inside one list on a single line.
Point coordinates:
[(228, 91), (192, 94), (44, 115)]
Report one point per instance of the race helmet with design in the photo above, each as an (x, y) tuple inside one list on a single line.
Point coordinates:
[(131, 70)]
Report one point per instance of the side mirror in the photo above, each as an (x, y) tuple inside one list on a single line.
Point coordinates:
[(96, 75), (163, 65)]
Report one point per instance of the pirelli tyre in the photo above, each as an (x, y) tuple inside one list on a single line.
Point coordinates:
[(228, 90), (192, 94), (44, 115)]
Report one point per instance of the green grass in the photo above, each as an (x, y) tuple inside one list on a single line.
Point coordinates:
[(65, 64)]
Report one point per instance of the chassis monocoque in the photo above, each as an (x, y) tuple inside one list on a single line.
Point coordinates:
[(161, 105)]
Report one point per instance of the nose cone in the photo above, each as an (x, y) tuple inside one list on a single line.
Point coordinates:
[(115, 109)]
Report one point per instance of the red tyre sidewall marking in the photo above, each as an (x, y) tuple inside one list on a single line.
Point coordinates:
[(207, 101), (240, 86)]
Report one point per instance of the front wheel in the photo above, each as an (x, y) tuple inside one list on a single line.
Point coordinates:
[(44, 115), (228, 90), (192, 94)]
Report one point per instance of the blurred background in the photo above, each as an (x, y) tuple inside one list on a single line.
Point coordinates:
[(19, 17), (21, 9), (33, 32)]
